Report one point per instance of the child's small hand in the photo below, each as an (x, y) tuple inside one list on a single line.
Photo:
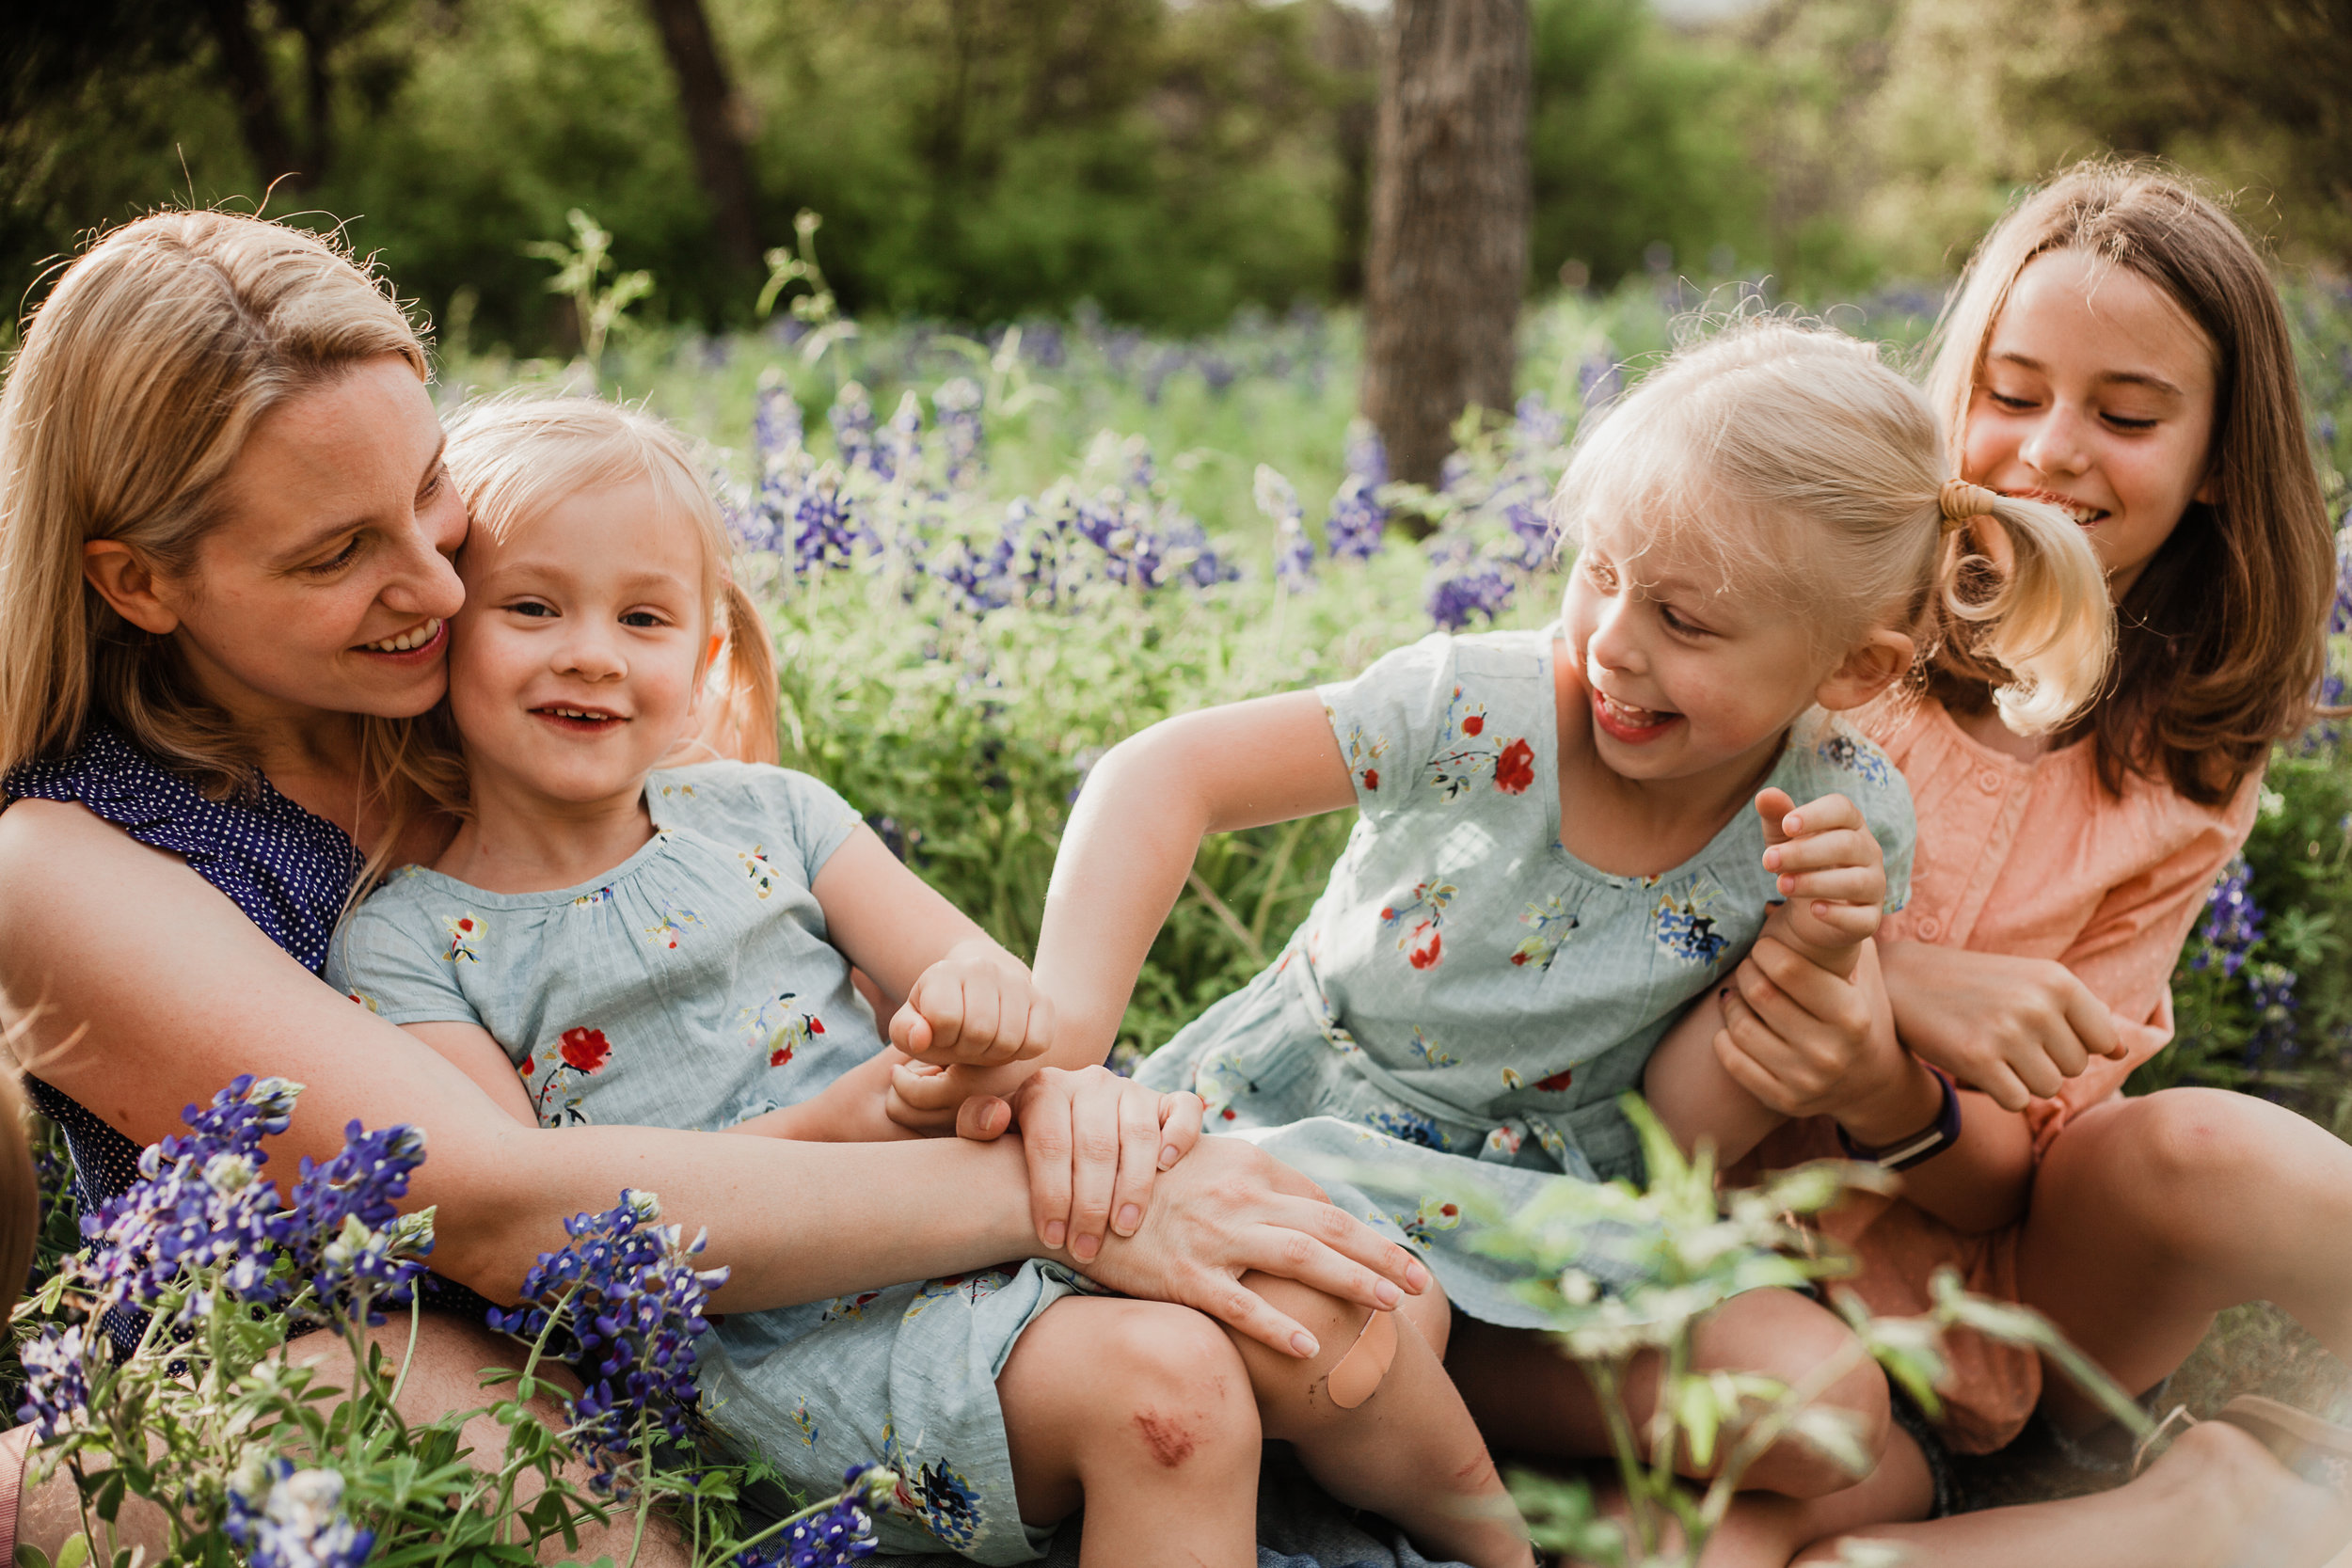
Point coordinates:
[(974, 1007), (945, 1101), (1830, 871)]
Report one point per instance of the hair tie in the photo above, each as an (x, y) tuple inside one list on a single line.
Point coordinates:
[(1962, 501)]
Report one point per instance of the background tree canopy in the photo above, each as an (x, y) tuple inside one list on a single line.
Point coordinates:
[(983, 159)]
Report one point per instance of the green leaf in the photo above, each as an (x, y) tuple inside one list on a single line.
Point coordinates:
[(107, 1502), (74, 1553)]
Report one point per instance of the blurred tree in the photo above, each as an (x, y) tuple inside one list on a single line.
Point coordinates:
[(716, 127), (1447, 256)]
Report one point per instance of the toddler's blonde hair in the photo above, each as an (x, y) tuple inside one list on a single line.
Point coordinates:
[(512, 458), (1812, 473)]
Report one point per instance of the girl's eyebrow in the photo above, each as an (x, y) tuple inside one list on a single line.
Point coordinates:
[(2128, 378)]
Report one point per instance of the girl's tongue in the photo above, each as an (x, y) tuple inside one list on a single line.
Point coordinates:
[(1624, 722)]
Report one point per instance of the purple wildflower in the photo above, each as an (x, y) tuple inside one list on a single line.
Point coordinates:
[(56, 1380), (1531, 528), (1599, 379), (901, 446), (2232, 923), (1294, 553), (626, 1304), (289, 1518), (958, 406), (341, 1229), (1537, 428), (776, 429), (1481, 588), (852, 420), (841, 1531)]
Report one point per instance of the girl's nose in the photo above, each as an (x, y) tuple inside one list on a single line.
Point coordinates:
[(2055, 443), (590, 654), (1613, 645)]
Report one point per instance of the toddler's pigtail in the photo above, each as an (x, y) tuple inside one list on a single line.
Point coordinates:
[(2024, 601), (743, 724)]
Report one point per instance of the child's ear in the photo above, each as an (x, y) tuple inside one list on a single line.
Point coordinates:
[(122, 578), (1875, 663)]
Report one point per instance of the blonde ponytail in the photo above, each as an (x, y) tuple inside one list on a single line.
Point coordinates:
[(742, 721), (2021, 600), (1813, 475)]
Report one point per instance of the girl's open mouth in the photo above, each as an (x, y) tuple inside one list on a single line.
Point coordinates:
[(1626, 722), (579, 721), (420, 641), (2085, 515)]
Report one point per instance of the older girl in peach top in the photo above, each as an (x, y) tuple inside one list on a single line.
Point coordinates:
[(2116, 348)]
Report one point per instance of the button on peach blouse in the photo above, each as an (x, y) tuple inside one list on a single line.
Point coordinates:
[(2036, 860)]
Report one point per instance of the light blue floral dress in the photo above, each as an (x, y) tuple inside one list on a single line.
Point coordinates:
[(1466, 1000), (694, 986)]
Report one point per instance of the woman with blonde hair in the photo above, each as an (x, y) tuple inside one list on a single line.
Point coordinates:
[(225, 533)]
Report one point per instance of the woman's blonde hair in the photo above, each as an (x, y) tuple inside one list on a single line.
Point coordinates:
[(1814, 476), (513, 457), (2221, 639), (140, 377)]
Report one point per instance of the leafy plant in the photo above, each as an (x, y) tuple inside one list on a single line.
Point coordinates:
[(599, 308), (1687, 1250)]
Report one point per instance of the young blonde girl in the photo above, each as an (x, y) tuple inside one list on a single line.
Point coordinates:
[(1556, 851), (613, 937), (2116, 347)]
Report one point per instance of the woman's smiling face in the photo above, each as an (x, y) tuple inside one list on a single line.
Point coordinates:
[(2097, 392)]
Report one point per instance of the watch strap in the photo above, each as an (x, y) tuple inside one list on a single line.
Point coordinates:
[(1921, 1146)]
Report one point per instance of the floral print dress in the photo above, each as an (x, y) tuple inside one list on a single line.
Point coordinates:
[(694, 986), (1468, 1000)]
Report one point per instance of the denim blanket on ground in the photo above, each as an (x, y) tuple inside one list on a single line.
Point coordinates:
[(1298, 1526)]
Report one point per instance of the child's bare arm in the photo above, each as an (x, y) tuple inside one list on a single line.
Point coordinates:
[(849, 1110), (1686, 1084), (472, 1052)]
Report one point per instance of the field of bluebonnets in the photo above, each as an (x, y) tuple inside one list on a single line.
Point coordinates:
[(986, 558)]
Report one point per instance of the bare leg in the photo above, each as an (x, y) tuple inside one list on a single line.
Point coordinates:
[(444, 1377), (2217, 1499), (1142, 1412), (1528, 1398), (2152, 1215), (1410, 1451)]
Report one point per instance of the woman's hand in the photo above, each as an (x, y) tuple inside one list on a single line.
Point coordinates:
[(976, 1007), (2015, 1028), (1231, 1208), (1807, 1042)]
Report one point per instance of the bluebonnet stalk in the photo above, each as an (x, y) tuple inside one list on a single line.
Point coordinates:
[(1367, 455), (341, 1229), (852, 420), (825, 531), (2232, 923), (626, 1304), (1537, 428), (56, 1380), (289, 1518), (1294, 553), (1599, 379), (2339, 613), (958, 404), (1531, 528), (840, 1532), (1480, 588), (776, 430), (901, 449), (1189, 547)]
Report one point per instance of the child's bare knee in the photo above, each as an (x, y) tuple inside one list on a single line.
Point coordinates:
[(1790, 1340), (1176, 1395), (1296, 1394)]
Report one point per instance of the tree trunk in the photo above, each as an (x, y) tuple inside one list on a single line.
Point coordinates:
[(245, 70), (714, 126), (1449, 202)]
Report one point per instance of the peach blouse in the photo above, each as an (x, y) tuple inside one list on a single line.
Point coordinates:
[(2036, 860)]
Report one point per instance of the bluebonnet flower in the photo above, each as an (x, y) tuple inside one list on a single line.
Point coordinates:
[(1454, 596), (1537, 428), (626, 1305), (1294, 553), (1215, 369), (840, 1532), (1454, 472), (1188, 549), (2232, 923), (1367, 455), (1531, 528), (958, 406), (825, 531), (2270, 989), (341, 1229), (289, 1518), (901, 447), (56, 1380), (1599, 378), (776, 429), (852, 420), (200, 1200), (984, 578), (2340, 614)]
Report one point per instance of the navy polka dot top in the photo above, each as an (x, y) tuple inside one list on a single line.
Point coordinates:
[(287, 869)]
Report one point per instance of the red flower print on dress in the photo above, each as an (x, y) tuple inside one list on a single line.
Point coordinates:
[(585, 1049), (1372, 779), (1465, 752), (1362, 750), (1557, 1081), (1426, 956), (1420, 915), (1514, 769)]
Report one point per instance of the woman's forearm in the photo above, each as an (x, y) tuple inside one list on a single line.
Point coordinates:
[(1980, 1182)]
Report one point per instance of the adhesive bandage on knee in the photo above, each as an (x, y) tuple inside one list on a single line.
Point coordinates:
[(1359, 1372)]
